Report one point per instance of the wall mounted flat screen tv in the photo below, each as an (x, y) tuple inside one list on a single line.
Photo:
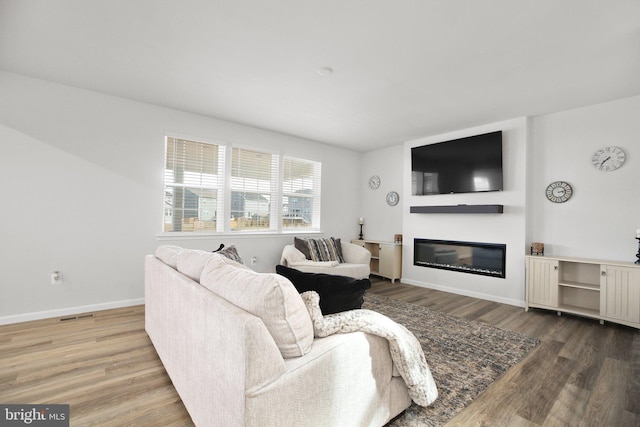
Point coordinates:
[(466, 165)]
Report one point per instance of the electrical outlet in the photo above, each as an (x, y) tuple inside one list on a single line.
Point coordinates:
[(56, 278), (254, 260)]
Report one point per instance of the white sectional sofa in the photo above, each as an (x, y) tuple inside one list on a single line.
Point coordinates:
[(240, 350)]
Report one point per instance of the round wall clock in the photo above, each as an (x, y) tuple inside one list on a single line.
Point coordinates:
[(608, 158), (559, 192), (374, 182), (392, 198)]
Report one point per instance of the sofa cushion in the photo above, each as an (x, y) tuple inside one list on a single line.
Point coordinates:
[(337, 293), (301, 245), (191, 262), (268, 296), (325, 249), (339, 249), (169, 255), (230, 252)]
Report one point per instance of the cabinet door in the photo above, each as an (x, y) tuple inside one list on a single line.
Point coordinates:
[(390, 261), (386, 267), (542, 281), (620, 293)]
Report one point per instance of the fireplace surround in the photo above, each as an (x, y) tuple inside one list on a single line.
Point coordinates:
[(487, 259)]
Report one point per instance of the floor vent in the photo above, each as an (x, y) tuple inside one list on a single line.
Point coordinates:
[(80, 316)]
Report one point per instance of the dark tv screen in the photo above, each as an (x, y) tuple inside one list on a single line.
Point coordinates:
[(466, 165)]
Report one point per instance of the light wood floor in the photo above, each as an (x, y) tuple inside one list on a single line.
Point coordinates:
[(105, 367)]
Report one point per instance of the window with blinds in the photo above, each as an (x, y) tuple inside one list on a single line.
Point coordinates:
[(193, 182), (213, 188), (300, 194), (254, 190)]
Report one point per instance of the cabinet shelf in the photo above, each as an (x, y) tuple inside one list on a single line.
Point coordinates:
[(567, 308), (580, 285)]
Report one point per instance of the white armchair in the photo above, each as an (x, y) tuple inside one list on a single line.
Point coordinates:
[(356, 262)]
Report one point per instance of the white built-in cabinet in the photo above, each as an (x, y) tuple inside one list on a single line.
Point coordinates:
[(386, 258), (604, 290)]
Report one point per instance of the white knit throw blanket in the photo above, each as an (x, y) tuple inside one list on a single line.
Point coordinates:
[(406, 350)]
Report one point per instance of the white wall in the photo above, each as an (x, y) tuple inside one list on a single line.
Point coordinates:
[(382, 221), (83, 193), (507, 228), (600, 219)]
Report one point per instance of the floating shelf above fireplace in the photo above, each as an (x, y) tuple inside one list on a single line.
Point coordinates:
[(467, 209)]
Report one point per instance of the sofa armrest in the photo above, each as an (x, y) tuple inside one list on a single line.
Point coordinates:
[(346, 380), (355, 254), (291, 255)]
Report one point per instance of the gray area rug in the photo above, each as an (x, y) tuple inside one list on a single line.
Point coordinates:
[(464, 356)]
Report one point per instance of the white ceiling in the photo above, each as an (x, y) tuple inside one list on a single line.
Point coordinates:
[(403, 69)]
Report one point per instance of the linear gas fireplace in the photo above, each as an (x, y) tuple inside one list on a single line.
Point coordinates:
[(487, 259)]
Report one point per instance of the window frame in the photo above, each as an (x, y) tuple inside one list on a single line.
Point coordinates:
[(274, 191), (225, 190), (219, 187), (316, 196)]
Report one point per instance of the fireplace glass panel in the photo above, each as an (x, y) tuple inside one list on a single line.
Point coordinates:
[(468, 257)]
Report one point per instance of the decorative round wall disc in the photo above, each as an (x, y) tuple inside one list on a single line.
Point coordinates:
[(392, 198)]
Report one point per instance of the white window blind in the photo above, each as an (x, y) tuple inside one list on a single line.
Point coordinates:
[(193, 183), (301, 194), (254, 189)]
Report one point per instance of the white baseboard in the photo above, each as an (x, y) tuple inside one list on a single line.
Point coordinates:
[(465, 292), (18, 318)]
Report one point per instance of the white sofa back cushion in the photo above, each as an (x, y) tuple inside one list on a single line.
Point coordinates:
[(269, 296), (191, 262), (169, 255)]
